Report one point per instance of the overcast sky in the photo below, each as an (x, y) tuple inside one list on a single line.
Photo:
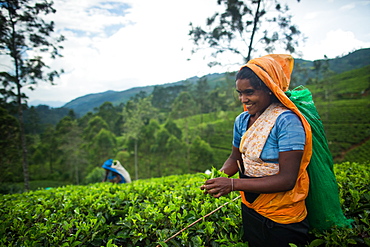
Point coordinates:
[(120, 44)]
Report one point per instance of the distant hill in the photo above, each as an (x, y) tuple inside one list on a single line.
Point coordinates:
[(354, 60), (87, 103), (84, 104), (53, 104)]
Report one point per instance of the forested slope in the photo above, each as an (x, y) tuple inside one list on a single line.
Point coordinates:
[(303, 70), (177, 129)]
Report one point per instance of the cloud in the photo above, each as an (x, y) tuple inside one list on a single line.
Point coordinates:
[(348, 7), (120, 44), (311, 15), (336, 43), (150, 47), (89, 17)]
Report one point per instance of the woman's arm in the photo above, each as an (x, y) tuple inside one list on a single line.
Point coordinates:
[(289, 163)]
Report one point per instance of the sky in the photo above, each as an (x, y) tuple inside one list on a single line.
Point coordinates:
[(121, 44)]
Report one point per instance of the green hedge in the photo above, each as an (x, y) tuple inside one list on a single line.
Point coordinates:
[(147, 212), (359, 154)]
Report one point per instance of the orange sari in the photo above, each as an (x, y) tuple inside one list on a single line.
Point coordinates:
[(283, 207)]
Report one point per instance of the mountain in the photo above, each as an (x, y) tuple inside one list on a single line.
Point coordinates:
[(354, 60), (84, 104), (53, 104), (87, 103)]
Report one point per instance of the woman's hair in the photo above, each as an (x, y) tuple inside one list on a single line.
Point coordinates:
[(255, 81)]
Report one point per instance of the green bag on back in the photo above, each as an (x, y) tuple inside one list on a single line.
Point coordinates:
[(323, 205)]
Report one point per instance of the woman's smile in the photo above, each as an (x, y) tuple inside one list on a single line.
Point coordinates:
[(249, 105), (255, 100)]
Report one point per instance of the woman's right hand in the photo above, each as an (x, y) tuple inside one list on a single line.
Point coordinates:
[(218, 187)]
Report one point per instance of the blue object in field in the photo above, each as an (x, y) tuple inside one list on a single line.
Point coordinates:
[(108, 165)]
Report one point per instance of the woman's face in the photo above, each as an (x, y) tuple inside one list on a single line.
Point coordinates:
[(255, 100)]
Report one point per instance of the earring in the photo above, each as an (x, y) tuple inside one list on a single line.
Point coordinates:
[(270, 93)]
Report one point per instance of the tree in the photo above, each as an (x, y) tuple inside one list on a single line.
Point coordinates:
[(160, 148), (148, 144), (24, 37), (136, 114), (243, 25), (172, 127), (163, 96), (200, 94), (9, 160), (94, 126), (183, 107), (111, 115), (92, 133), (176, 156), (103, 146), (70, 155), (201, 155), (47, 151)]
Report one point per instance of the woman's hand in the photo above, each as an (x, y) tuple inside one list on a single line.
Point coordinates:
[(217, 187)]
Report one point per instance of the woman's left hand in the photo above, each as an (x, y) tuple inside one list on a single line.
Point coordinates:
[(217, 187)]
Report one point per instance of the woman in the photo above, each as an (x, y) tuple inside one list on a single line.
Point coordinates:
[(115, 172), (271, 150)]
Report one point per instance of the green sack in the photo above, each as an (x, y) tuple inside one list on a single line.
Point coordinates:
[(323, 206)]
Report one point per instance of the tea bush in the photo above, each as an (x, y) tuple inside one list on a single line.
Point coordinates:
[(338, 128), (147, 212)]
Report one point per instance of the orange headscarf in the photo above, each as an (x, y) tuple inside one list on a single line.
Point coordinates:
[(275, 71)]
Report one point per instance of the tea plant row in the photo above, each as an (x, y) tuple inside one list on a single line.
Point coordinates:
[(147, 212)]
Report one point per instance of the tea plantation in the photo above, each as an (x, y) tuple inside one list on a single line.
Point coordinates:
[(147, 212)]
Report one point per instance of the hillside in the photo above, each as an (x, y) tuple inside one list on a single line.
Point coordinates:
[(345, 116), (87, 103), (173, 143), (84, 104), (344, 106), (351, 61)]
